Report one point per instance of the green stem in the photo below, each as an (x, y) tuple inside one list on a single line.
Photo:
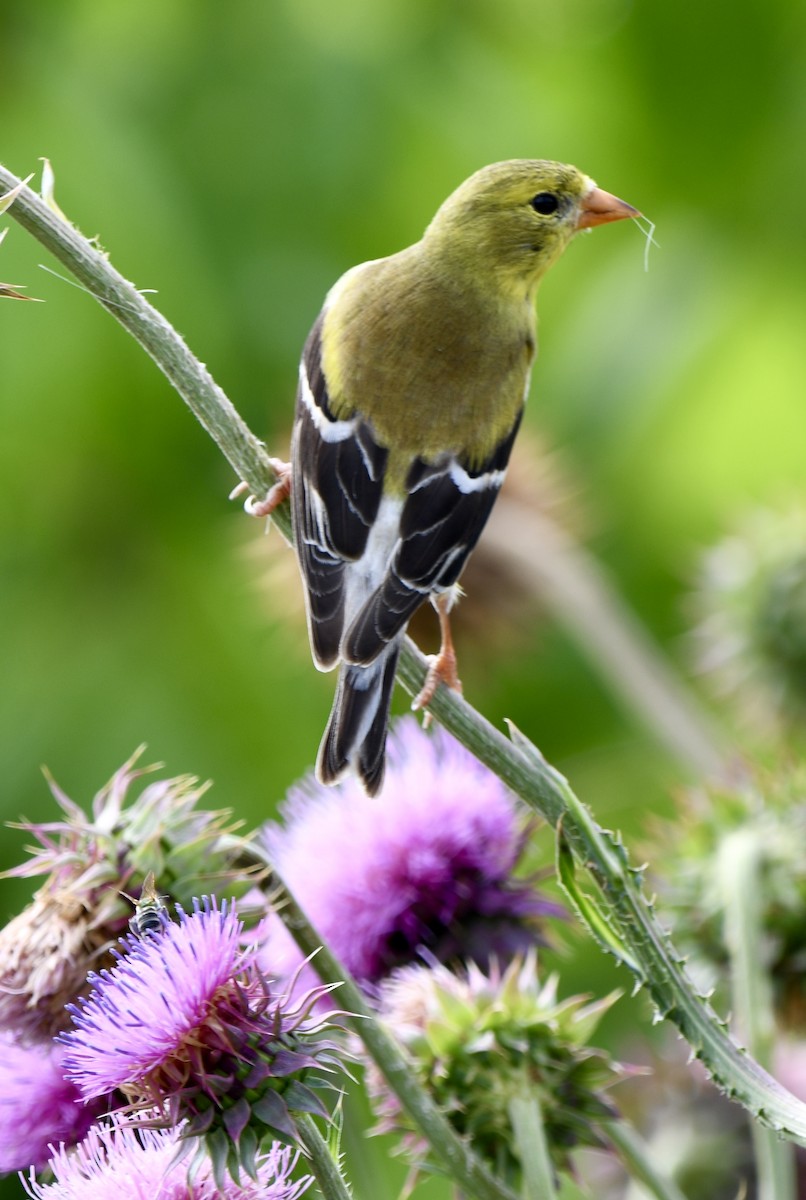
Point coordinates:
[(457, 1159), (647, 948), (571, 581), (583, 601), (738, 870), (635, 1156), (157, 337), (328, 1176), (529, 1132)]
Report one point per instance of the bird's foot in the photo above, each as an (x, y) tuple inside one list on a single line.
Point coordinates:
[(441, 669), (275, 496)]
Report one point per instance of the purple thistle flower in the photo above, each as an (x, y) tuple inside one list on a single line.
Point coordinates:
[(132, 1163), (186, 1024), (92, 863), (143, 1012), (38, 1106), (429, 867)]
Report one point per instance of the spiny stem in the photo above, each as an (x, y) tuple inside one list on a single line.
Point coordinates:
[(522, 766), (529, 1133), (637, 1160), (458, 1160), (157, 336), (738, 872), (328, 1176), (583, 601), (648, 948)]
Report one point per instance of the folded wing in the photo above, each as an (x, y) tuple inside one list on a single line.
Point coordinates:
[(447, 505), (337, 480)]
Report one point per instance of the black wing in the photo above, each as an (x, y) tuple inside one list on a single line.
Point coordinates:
[(447, 507), (337, 478)]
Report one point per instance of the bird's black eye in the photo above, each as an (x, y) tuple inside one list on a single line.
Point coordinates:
[(545, 203)]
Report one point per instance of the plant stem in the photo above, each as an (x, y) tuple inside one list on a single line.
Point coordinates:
[(529, 1132), (328, 1176), (647, 948), (572, 582), (156, 335), (457, 1159), (636, 1158), (738, 871), (581, 599)]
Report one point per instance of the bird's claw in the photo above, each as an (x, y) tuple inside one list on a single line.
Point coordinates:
[(441, 669), (275, 496)]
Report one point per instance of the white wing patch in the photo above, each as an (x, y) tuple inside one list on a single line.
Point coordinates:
[(466, 483), (329, 431)]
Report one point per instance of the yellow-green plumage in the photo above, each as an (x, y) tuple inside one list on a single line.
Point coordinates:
[(465, 293), (412, 385), (464, 396)]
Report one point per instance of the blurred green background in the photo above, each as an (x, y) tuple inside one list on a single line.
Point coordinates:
[(237, 158)]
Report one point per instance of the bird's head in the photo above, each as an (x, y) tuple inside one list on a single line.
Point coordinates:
[(512, 220)]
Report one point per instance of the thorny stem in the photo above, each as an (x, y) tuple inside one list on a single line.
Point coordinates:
[(643, 945), (738, 875), (455, 1155), (328, 1175), (147, 326), (571, 581), (646, 945), (637, 1160), (529, 1133)]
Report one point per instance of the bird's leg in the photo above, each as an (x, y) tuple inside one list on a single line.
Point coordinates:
[(442, 666), (275, 496)]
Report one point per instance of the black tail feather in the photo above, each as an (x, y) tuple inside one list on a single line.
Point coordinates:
[(356, 732)]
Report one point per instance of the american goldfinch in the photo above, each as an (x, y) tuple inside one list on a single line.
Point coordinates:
[(411, 389)]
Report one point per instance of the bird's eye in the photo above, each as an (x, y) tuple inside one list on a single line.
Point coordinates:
[(545, 203)]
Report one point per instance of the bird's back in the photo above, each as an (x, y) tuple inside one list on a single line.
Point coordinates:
[(434, 365)]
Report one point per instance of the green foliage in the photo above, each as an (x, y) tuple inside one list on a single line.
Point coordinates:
[(237, 159), (237, 162)]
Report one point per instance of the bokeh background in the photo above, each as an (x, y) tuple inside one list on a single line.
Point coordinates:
[(236, 159)]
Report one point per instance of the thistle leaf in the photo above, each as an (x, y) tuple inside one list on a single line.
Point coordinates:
[(587, 908)]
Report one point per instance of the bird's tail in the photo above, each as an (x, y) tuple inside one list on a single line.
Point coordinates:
[(356, 732)]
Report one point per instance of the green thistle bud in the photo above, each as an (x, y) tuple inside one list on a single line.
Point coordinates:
[(751, 613), (481, 1043), (771, 812), (782, 622), (92, 863)]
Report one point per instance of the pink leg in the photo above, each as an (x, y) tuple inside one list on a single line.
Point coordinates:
[(442, 668)]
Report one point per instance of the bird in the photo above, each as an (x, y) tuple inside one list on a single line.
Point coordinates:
[(412, 385)]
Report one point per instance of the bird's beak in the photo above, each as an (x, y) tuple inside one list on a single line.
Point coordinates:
[(599, 206)]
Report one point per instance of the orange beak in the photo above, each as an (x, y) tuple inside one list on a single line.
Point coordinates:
[(599, 206)]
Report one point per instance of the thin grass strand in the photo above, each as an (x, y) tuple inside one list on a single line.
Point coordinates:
[(647, 228)]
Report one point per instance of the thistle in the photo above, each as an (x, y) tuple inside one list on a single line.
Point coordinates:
[(771, 812), (130, 1162), (91, 863), (751, 612), (432, 869), (483, 1043), (188, 1028), (38, 1106)]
